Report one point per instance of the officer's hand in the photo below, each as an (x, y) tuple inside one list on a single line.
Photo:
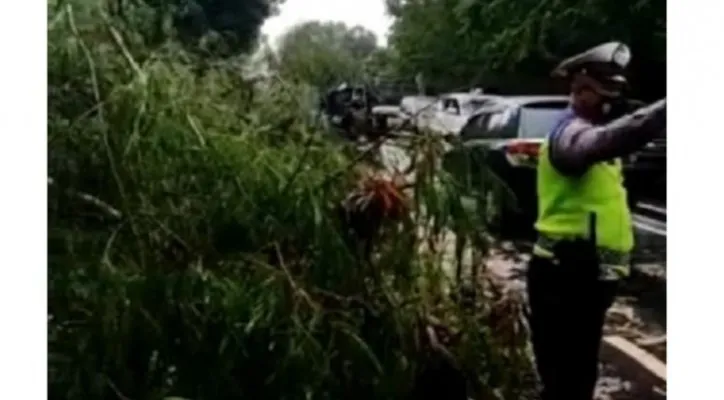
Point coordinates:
[(661, 115), (652, 116)]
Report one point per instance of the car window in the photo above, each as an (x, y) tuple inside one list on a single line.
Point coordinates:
[(342, 97), (538, 122), (498, 119), (471, 106), (477, 126), (454, 106), (502, 124), (476, 104)]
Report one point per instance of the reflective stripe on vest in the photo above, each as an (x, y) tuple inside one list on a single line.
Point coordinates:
[(565, 203)]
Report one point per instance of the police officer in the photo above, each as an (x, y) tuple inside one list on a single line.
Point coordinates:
[(584, 225)]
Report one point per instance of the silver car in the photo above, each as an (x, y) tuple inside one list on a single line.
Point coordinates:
[(453, 110)]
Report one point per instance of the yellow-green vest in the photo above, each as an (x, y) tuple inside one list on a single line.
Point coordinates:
[(565, 204)]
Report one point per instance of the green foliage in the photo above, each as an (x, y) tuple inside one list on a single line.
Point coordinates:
[(325, 53), (215, 28), (516, 43), (195, 246), (380, 64)]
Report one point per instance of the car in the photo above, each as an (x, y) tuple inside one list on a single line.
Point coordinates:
[(451, 111), (348, 110), (504, 137), (382, 115), (645, 173), (416, 110), (391, 92)]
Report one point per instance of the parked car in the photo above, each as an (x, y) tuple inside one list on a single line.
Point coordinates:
[(348, 110), (416, 110), (391, 92), (504, 137), (453, 110), (645, 173), (382, 115)]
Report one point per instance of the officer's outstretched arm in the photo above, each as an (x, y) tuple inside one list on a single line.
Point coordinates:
[(580, 145)]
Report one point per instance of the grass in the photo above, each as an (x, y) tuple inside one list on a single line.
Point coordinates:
[(195, 244)]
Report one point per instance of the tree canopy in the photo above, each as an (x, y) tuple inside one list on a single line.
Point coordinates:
[(219, 28), (324, 53), (516, 43)]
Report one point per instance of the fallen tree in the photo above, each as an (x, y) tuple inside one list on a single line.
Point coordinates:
[(196, 247)]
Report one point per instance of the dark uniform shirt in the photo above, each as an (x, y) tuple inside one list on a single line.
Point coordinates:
[(582, 143)]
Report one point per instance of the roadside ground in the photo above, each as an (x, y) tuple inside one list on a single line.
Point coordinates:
[(633, 355)]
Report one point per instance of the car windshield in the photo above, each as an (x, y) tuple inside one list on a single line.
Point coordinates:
[(473, 105), (538, 122)]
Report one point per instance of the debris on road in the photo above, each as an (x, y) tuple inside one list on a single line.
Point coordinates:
[(649, 370), (628, 371)]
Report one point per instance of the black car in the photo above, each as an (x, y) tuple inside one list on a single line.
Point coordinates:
[(504, 138), (348, 106), (645, 173)]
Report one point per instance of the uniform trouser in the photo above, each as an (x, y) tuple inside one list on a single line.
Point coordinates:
[(567, 308)]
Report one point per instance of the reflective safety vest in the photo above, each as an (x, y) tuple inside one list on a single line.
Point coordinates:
[(566, 203)]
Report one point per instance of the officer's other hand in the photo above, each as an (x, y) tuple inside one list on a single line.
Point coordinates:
[(658, 114), (651, 117)]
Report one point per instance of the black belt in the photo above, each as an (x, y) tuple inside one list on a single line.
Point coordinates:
[(613, 264)]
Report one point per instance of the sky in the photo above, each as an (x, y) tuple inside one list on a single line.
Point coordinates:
[(368, 13)]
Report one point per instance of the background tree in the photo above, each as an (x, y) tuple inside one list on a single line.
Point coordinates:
[(215, 28), (380, 63), (514, 44), (324, 53)]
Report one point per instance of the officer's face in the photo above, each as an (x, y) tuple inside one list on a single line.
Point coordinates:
[(586, 93), (589, 98)]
